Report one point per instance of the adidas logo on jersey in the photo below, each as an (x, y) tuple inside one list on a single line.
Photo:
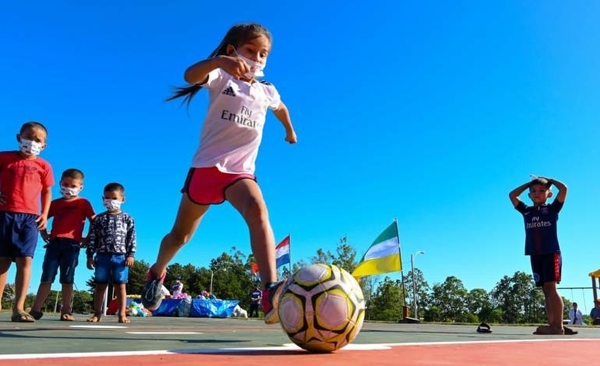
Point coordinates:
[(229, 91)]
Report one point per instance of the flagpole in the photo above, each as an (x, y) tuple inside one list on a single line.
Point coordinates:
[(404, 307), (290, 251)]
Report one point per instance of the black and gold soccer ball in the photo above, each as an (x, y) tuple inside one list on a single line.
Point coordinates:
[(321, 308)]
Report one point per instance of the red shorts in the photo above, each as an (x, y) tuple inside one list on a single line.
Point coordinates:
[(206, 186)]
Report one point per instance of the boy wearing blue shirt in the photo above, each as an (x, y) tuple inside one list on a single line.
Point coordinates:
[(541, 245)]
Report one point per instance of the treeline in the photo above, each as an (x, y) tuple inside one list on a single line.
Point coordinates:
[(513, 300)]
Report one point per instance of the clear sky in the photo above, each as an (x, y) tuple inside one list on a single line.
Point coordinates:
[(429, 113)]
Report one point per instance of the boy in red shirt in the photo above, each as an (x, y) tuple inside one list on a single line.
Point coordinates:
[(63, 242), (24, 179)]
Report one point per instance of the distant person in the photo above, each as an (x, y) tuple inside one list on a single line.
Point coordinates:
[(223, 166), (595, 313), (177, 288), (63, 242), (165, 292), (541, 245), (110, 251), (255, 298), (575, 315), (26, 182)]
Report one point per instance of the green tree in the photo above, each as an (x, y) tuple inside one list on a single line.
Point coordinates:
[(91, 284), (53, 301), (387, 302), (137, 277), (83, 302), (518, 298), (285, 271), (479, 304), (186, 274), (432, 314), (8, 296), (344, 257), (231, 278), (369, 284), (451, 299), (423, 290)]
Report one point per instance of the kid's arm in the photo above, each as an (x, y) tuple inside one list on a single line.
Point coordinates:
[(562, 189), (283, 115), (130, 245), (515, 193), (90, 214), (91, 242), (131, 241), (45, 235), (198, 72), (46, 202)]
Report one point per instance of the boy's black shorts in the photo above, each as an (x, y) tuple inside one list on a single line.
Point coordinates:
[(546, 268)]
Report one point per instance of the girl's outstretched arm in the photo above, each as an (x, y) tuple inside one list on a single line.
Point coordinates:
[(283, 115), (198, 72)]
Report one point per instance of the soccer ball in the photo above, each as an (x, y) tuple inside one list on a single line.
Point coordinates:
[(321, 308)]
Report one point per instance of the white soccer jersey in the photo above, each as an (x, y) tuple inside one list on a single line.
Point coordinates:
[(233, 126)]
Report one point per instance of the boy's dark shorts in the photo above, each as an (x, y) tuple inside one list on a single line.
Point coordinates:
[(18, 234), (64, 254), (546, 268), (109, 266)]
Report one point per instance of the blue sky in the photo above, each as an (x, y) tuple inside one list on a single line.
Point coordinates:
[(429, 113)]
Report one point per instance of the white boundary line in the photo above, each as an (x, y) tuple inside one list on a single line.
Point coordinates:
[(98, 326), (164, 333), (350, 347)]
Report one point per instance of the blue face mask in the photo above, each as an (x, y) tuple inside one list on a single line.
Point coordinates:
[(256, 68)]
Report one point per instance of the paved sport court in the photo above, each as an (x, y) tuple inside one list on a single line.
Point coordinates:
[(228, 342)]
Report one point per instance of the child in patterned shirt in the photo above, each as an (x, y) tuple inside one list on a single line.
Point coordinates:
[(111, 248)]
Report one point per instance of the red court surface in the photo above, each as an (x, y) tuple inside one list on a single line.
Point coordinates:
[(531, 353), (167, 341)]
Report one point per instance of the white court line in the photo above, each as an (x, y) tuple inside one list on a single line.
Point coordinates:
[(99, 326), (165, 333), (350, 347)]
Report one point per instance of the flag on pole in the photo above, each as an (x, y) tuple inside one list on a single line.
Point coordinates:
[(282, 252), (255, 272), (383, 255)]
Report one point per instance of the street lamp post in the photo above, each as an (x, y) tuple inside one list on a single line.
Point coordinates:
[(212, 274), (414, 284)]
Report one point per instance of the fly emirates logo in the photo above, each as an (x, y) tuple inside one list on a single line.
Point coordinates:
[(536, 222), (244, 118)]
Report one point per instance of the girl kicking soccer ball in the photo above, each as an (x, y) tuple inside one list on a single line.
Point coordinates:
[(224, 163)]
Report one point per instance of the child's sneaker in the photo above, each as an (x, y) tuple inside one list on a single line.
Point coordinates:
[(270, 302), (152, 292)]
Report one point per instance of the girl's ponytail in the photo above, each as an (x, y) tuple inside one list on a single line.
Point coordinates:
[(237, 35), (187, 92)]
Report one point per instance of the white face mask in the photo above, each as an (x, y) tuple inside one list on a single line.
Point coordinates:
[(68, 192), (112, 205), (30, 147), (256, 68)]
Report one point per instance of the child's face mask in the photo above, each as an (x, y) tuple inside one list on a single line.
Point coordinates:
[(68, 192), (30, 147), (256, 68), (112, 205)]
